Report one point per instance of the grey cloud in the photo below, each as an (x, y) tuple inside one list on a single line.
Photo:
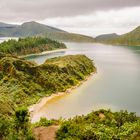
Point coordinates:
[(23, 10)]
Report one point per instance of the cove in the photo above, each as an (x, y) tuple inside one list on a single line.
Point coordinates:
[(115, 86)]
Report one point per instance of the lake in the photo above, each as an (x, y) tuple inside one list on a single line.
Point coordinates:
[(2, 39), (116, 85)]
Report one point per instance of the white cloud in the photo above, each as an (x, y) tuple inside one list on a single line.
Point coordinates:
[(119, 21), (25, 10)]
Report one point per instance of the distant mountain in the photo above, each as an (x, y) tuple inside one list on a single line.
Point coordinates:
[(129, 39), (106, 37), (26, 29), (36, 29), (69, 37), (2, 25)]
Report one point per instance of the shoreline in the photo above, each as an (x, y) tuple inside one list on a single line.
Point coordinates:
[(42, 53), (33, 109)]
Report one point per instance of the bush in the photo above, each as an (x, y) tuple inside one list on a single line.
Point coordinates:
[(95, 127), (43, 122), (4, 127)]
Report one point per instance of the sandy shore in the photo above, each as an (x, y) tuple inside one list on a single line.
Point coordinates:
[(43, 101), (42, 53), (35, 107)]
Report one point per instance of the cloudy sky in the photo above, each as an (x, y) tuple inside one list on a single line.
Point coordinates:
[(90, 17)]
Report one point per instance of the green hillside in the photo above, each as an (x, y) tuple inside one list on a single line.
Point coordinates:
[(26, 29), (23, 82), (106, 37), (129, 39), (69, 37), (101, 125), (36, 29), (29, 45)]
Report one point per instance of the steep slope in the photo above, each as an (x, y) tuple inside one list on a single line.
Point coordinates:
[(37, 29), (33, 29), (23, 82), (101, 125), (129, 39), (26, 29), (69, 37)]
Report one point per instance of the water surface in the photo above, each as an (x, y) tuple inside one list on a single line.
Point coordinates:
[(115, 86), (2, 39)]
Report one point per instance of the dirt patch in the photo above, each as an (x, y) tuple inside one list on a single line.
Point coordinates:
[(46, 133), (101, 116)]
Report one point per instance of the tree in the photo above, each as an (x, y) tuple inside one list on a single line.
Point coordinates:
[(21, 129)]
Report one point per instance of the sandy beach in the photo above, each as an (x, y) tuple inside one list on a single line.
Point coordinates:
[(33, 109), (42, 53)]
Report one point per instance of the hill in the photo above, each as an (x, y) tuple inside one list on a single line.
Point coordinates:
[(3, 25), (101, 125), (106, 37), (70, 37), (26, 82), (36, 29), (26, 29), (129, 39), (23, 83), (29, 45)]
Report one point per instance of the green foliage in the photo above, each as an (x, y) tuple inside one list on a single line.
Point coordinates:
[(44, 122), (124, 117), (101, 125), (4, 126), (17, 126), (29, 45), (21, 118), (25, 83), (21, 125), (129, 39)]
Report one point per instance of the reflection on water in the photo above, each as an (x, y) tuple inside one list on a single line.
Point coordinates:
[(39, 59), (115, 86)]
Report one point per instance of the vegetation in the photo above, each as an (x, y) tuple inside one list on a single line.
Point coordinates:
[(25, 30), (17, 127), (101, 125), (23, 82), (129, 39), (36, 29), (106, 37), (98, 125), (69, 37), (45, 122), (29, 45)]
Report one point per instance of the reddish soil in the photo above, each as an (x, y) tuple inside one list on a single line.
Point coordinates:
[(45, 133)]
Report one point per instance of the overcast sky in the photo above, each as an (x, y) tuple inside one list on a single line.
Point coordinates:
[(91, 17)]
